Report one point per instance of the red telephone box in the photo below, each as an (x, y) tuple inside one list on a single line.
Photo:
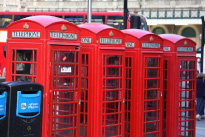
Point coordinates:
[(45, 49), (143, 84), (179, 85), (102, 89)]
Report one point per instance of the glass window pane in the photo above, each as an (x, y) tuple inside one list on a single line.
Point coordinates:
[(5, 20), (75, 19), (65, 56), (18, 17), (24, 55), (152, 127), (63, 96), (65, 83), (152, 62), (21, 78), (97, 19), (24, 68), (58, 16), (113, 60), (115, 21)]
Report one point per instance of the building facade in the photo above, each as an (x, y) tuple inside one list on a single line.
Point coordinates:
[(163, 16)]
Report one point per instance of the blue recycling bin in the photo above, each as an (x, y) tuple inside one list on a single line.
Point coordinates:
[(24, 106), (3, 113)]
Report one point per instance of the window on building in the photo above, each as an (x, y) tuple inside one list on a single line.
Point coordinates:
[(189, 32), (158, 30)]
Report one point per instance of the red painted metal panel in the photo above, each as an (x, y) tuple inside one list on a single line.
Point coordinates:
[(180, 88), (105, 80), (146, 82)]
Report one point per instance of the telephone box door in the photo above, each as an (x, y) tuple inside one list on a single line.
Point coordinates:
[(64, 92), (152, 70), (187, 92), (112, 63)]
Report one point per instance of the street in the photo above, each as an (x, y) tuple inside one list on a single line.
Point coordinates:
[(200, 128)]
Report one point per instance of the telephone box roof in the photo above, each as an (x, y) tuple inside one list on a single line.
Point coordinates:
[(172, 37), (95, 27), (43, 20), (138, 33)]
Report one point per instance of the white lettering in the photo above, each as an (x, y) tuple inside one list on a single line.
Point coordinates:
[(60, 35), (166, 48), (150, 45), (110, 41), (86, 40), (66, 69), (129, 44), (188, 49), (25, 34), (33, 105)]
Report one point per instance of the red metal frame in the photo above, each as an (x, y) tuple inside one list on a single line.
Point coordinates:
[(64, 98), (51, 34), (105, 80), (180, 59), (144, 50)]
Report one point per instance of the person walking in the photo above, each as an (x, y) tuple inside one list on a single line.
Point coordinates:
[(200, 97)]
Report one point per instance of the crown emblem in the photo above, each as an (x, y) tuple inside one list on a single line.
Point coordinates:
[(111, 33), (25, 26), (185, 42), (151, 38), (63, 28)]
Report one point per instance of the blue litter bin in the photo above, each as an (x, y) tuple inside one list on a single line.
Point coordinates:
[(3, 113), (25, 109)]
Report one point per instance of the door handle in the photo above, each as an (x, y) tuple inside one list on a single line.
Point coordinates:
[(123, 100), (79, 102)]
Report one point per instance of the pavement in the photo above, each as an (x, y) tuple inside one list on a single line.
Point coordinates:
[(200, 128)]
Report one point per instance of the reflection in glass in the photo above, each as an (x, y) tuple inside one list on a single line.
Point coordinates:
[(113, 60), (65, 56), (63, 96), (22, 78), (152, 84), (65, 82), (152, 73), (24, 55), (151, 94), (24, 68), (112, 83), (112, 95), (151, 62), (151, 105), (152, 116), (112, 71), (152, 127)]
